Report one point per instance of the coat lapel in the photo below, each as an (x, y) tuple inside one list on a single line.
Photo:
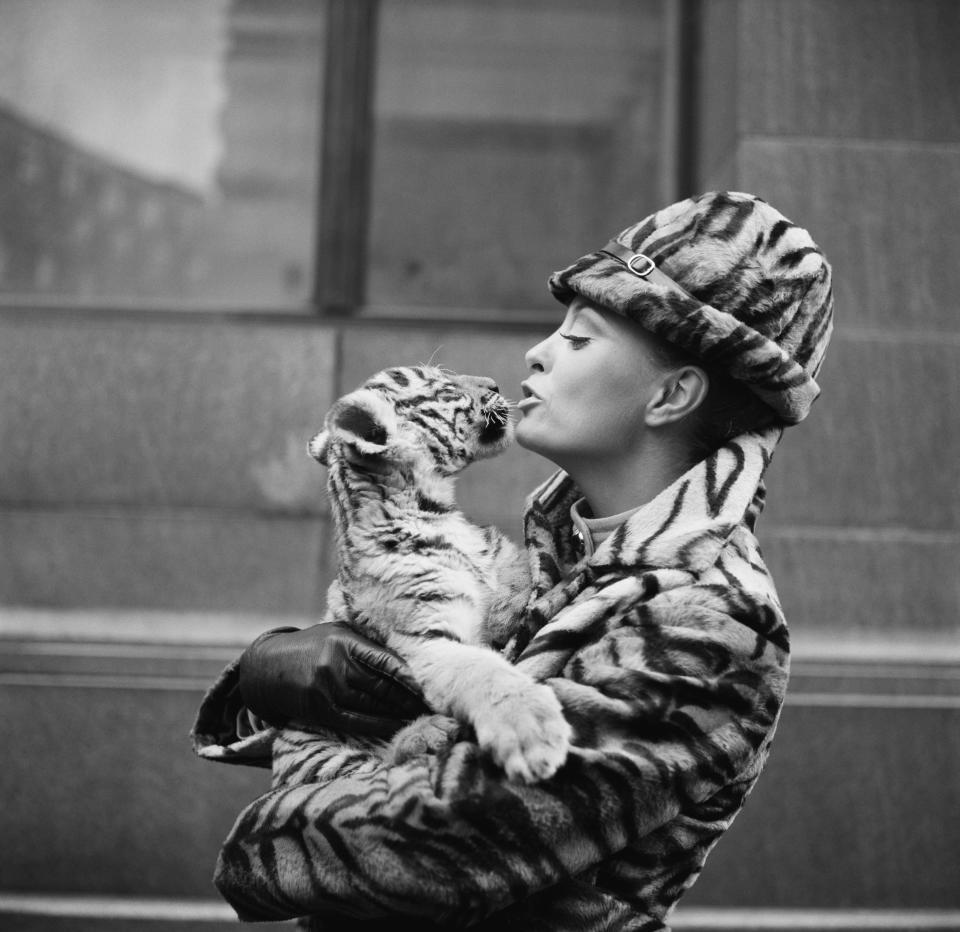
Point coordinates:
[(679, 535)]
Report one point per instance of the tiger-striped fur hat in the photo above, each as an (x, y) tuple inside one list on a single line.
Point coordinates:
[(730, 280)]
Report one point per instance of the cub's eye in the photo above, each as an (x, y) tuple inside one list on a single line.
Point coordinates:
[(575, 342), (449, 394)]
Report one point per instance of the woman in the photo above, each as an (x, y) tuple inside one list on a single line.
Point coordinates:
[(689, 342)]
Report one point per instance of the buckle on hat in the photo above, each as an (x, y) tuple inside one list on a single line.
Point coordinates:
[(630, 259), (646, 270)]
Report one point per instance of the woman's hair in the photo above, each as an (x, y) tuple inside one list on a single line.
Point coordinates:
[(729, 409)]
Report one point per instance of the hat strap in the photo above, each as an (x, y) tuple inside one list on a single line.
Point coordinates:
[(643, 267)]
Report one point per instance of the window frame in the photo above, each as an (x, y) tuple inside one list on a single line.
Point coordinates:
[(347, 140), (343, 196)]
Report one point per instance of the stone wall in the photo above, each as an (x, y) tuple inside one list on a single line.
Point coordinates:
[(845, 114)]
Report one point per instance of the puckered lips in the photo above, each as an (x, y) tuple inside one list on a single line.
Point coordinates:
[(530, 397)]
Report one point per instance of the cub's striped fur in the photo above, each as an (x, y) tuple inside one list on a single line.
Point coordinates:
[(416, 575)]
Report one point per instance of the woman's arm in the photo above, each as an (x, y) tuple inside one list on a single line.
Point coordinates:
[(328, 675), (447, 837), (324, 676)]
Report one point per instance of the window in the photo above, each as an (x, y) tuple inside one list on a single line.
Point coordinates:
[(510, 137), (159, 150), (172, 152)]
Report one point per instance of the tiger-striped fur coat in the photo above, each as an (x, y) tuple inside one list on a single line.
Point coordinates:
[(668, 651)]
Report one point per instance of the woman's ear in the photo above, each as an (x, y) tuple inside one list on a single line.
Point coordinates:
[(680, 393)]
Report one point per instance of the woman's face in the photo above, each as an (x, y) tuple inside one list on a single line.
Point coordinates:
[(589, 384)]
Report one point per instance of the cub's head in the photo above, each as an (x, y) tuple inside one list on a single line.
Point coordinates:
[(419, 417)]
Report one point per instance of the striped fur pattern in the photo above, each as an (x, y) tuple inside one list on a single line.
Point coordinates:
[(758, 302), (417, 576), (668, 651)]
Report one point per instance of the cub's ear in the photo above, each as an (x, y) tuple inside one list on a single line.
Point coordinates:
[(364, 421)]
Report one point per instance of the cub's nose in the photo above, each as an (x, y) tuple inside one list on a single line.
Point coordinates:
[(482, 383)]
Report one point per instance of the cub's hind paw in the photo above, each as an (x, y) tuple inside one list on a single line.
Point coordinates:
[(428, 734)]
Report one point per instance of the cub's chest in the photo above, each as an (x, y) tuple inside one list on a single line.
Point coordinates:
[(418, 536)]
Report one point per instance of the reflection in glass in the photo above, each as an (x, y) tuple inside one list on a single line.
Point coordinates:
[(510, 138), (160, 149)]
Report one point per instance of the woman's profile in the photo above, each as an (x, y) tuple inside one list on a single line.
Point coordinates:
[(688, 343)]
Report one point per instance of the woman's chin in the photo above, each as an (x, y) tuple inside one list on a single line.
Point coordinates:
[(521, 433), (525, 435)]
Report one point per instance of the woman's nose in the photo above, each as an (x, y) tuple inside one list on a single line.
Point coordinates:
[(534, 357)]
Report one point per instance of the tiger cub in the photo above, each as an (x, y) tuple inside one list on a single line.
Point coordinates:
[(416, 575)]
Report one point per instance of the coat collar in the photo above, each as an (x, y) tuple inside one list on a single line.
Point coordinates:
[(684, 527)]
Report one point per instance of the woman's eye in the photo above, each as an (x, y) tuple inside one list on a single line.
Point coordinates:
[(577, 342)]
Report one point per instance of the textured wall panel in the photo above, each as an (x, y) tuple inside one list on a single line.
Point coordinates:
[(199, 560), (883, 215), (877, 69), (876, 448), (864, 581), (500, 356), (161, 413), (104, 794), (855, 808)]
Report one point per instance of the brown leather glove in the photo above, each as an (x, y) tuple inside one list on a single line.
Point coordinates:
[(328, 675)]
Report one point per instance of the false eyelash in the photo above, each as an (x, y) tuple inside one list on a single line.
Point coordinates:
[(576, 341)]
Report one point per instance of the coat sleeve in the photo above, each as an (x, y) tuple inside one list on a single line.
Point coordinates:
[(667, 708), (225, 730)]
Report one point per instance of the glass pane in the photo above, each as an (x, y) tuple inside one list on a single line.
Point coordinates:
[(511, 137), (159, 149)]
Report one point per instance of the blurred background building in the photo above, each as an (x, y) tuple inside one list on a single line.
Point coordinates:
[(218, 215)]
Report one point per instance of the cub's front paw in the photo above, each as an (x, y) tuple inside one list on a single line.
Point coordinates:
[(428, 734), (527, 735)]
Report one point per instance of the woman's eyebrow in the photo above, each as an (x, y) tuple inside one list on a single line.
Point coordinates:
[(587, 316)]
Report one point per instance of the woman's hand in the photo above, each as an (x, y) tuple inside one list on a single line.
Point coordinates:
[(328, 675)]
